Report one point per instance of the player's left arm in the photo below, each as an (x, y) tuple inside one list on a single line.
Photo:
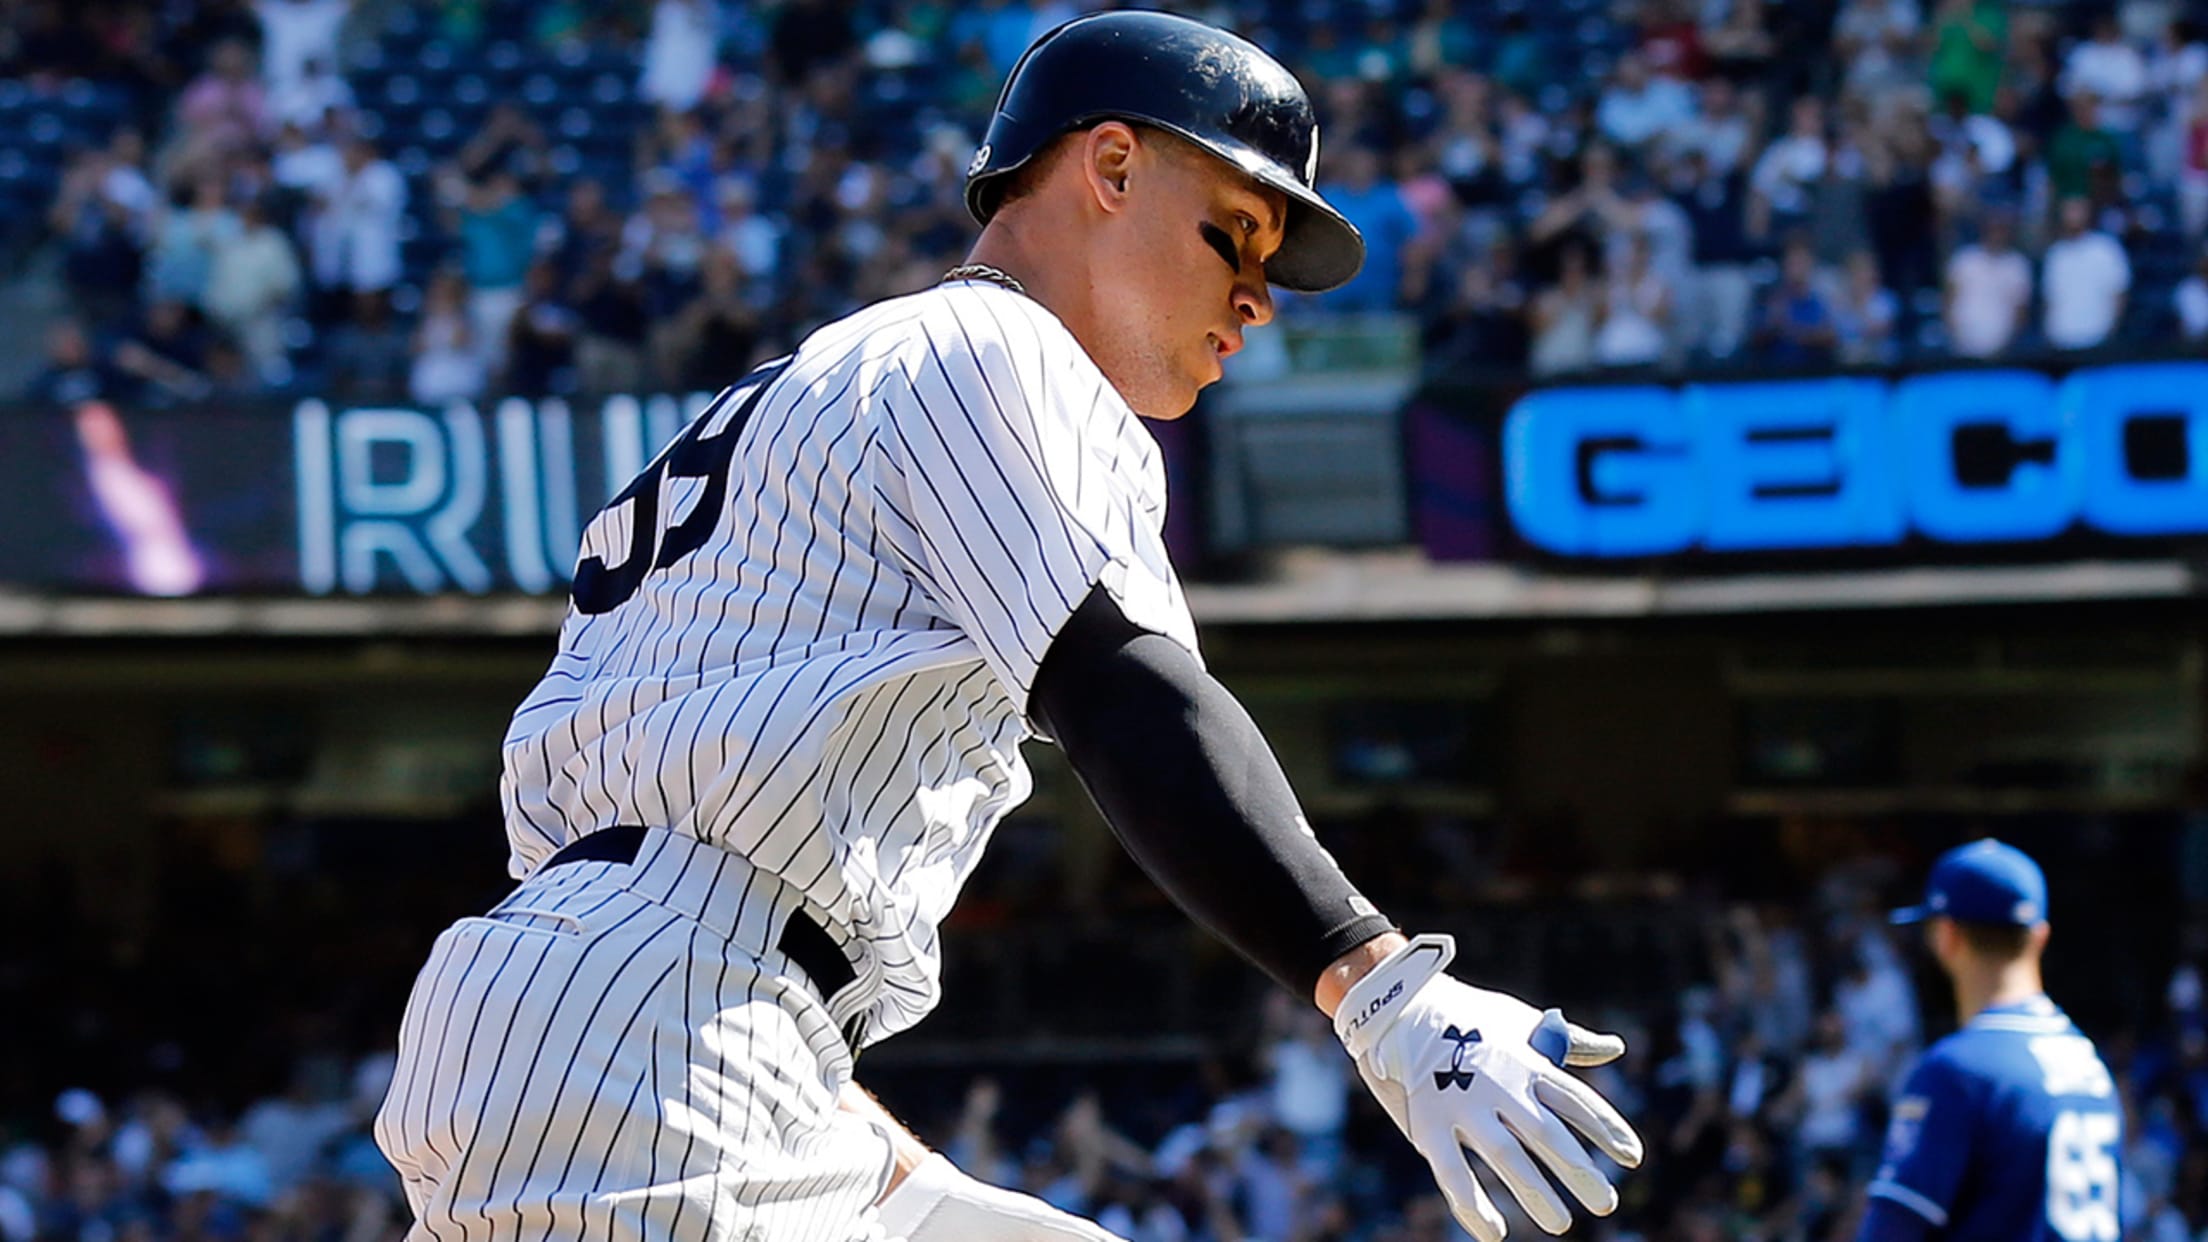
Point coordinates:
[(929, 1199), (1195, 794), (1928, 1145)]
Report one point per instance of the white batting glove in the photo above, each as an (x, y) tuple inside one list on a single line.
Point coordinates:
[(938, 1203), (1458, 1067)]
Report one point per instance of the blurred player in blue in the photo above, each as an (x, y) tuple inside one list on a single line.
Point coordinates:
[(2008, 1130)]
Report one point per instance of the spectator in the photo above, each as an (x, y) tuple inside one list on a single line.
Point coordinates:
[(679, 53), (1876, 1005), (2085, 278), (1310, 1085), (167, 352), (309, 98), (611, 327), (121, 177), (76, 374), (1828, 1093), (225, 1166), (1739, 45), (2192, 185), (2082, 150), (1564, 318), (1640, 105), (747, 233), (1671, 40), (1592, 212), (2110, 70), (540, 349), (103, 236), (584, 228), (1900, 209), (1977, 155), (1989, 288), (447, 365), (298, 40), (2191, 302), (197, 224), (1797, 328), (1480, 316), (1876, 41), (716, 335), (369, 357), (1864, 315), (304, 162), (1523, 135), (509, 142), (1275, 1191), (1719, 129), (222, 111), (1838, 222), (355, 223), (1441, 38), (665, 246), (1521, 62), (1969, 41), (1789, 170), (250, 287), (290, 1131), (1636, 310), (1374, 203), (498, 238), (1721, 291)]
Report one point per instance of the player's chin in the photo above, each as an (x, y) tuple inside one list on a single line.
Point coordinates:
[(1185, 399)]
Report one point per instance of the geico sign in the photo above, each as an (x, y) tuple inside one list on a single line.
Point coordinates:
[(1640, 471)]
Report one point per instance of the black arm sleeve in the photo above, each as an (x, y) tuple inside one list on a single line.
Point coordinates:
[(1193, 792)]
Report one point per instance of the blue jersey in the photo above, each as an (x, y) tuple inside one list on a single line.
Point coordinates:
[(2007, 1131)]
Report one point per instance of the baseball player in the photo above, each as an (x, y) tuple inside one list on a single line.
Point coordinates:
[(787, 705), (2009, 1129)]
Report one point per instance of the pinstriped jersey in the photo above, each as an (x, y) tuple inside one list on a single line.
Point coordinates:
[(807, 632)]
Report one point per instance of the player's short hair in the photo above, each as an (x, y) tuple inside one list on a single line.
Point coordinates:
[(1996, 941)]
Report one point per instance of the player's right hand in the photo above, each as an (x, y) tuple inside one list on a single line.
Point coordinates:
[(1461, 1068), (938, 1203)]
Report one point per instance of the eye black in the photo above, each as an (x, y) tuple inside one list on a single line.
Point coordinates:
[(1217, 239)]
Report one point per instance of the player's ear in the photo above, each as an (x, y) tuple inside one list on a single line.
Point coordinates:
[(1941, 933), (1110, 157), (2039, 936)]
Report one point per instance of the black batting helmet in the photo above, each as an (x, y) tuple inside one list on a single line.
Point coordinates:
[(1214, 89)]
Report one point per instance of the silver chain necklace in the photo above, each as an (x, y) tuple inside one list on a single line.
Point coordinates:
[(982, 271)]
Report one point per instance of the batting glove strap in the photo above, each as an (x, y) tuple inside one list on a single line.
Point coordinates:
[(1371, 1006)]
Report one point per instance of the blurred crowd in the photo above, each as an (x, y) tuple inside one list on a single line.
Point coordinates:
[(1761, 1094), (1762, 1098), (380, 198)]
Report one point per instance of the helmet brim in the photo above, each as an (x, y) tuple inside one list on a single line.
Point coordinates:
[(1320, 249)]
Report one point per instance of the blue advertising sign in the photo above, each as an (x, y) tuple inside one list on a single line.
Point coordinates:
[(1849, 462)]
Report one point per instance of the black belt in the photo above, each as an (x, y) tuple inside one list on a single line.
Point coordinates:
[(802, 940)]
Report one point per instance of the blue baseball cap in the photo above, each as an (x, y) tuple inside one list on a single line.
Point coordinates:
[(1982, 882)]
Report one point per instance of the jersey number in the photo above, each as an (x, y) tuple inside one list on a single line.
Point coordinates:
[(2081, 1176), (600, 587)]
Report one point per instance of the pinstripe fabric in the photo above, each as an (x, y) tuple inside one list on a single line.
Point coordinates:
[(834, 684), (801, 648), (617, 1051)]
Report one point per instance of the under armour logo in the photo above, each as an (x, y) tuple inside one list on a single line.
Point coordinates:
[(979, 162), (1457, 1075)]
